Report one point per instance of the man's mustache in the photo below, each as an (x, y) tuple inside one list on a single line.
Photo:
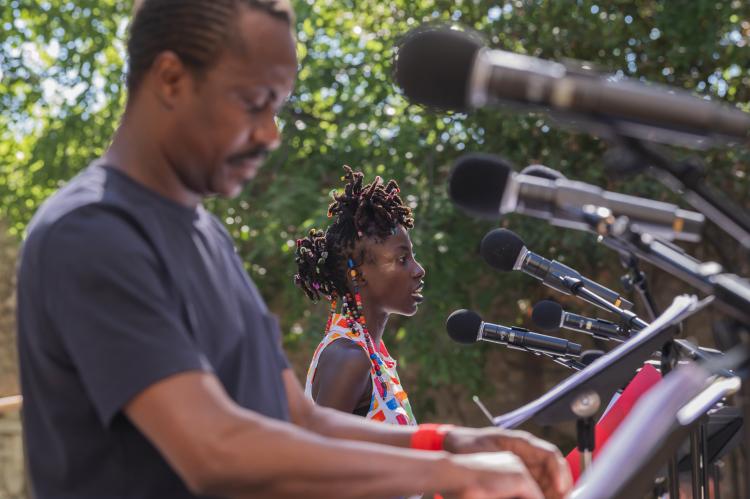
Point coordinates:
[(257, 153)]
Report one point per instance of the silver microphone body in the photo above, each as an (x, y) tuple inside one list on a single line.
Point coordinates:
[(566, 203)]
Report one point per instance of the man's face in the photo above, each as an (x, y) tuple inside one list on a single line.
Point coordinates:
[(221, 131)]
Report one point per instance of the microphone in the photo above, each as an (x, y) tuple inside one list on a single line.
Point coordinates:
[(589, 356), (542, 171), (466, 326), (505, 251), (486, 186), (549, 316), (451, 69)]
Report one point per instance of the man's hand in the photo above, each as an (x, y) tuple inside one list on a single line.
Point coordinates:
[(543, 460), (494, 475)]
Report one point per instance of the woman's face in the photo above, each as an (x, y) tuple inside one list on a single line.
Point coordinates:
[(392, 277)]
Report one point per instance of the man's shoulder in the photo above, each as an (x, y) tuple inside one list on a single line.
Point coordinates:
[(85, 213), (87, 190)]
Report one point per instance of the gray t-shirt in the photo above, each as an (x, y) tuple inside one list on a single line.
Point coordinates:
[(118, 288)]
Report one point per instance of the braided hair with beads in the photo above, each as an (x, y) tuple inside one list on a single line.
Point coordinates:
[(326, 260)]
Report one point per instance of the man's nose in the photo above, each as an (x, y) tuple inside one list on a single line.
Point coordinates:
[(267, 132)]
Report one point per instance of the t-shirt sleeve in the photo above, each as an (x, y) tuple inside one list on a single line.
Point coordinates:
[(109, 299), (281, 357)]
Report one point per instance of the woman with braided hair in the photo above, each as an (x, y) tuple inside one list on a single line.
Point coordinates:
[(363, 262)]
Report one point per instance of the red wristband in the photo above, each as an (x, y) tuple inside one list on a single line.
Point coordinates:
[(430, 436)]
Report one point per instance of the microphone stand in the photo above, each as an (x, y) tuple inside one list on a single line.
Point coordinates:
[(629, 319), (580, 396), (668, 360), (687, 179), (668, 363), (635, 279), (732, 293), (558, 359), (654, 429), (619, 235)]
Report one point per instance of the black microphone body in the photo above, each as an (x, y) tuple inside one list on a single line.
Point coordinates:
[(523, 339), (553, 273), (504, 250), (599, 328), (466, 326), (451, 69), (549, 316)]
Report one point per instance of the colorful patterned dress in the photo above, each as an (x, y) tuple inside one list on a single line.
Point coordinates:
[(394, 408)]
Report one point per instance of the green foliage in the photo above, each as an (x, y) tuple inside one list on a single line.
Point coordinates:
[(61, 93)]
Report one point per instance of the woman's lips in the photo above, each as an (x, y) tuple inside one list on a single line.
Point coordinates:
[(417, 294)]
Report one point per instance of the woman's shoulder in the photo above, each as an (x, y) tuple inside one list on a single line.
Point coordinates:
[(345, 351), (343, 366)]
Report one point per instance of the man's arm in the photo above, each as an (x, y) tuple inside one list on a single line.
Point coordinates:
[(544, 460), (219, 448)]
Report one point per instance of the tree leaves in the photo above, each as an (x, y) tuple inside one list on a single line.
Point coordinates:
[(62, 92)]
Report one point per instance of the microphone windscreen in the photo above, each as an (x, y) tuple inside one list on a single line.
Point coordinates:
[(547, 315), (433, 65), (590, 356), (463, 326), (477, 184), (542, 171), (500, 249)]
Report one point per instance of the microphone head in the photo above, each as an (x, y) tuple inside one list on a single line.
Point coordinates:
[(500, 249), (547, 315), (463, 326), (590, 356), (542, 171), (433, 65), (477, 184)]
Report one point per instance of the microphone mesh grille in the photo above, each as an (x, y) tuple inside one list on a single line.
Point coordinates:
[(433, 64)]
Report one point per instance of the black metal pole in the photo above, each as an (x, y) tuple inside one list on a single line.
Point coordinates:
[(705, 484), (667, 359), (716, 474), (695, 462), (585, 431), (745, 447)]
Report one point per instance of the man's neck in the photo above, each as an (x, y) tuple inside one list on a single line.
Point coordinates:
[(137, 155)]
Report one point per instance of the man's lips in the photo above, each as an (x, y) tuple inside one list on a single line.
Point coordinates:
[(254, 157)]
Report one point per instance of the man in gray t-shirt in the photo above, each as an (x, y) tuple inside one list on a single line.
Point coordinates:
[(150, 366), (120, 288)]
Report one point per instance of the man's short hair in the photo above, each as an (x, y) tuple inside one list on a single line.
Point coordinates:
[(196, 30)]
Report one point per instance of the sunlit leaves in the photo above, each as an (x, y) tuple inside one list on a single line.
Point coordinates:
[(61, 95)]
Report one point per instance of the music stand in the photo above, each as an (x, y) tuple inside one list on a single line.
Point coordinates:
[(580, 396), (656, 427)]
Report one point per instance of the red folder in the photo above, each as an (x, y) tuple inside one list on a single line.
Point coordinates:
[(647, 377)]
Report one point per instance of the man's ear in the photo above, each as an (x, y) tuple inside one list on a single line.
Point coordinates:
[(171, 79)]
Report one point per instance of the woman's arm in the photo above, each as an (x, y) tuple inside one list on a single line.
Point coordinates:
[(342, 379)]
